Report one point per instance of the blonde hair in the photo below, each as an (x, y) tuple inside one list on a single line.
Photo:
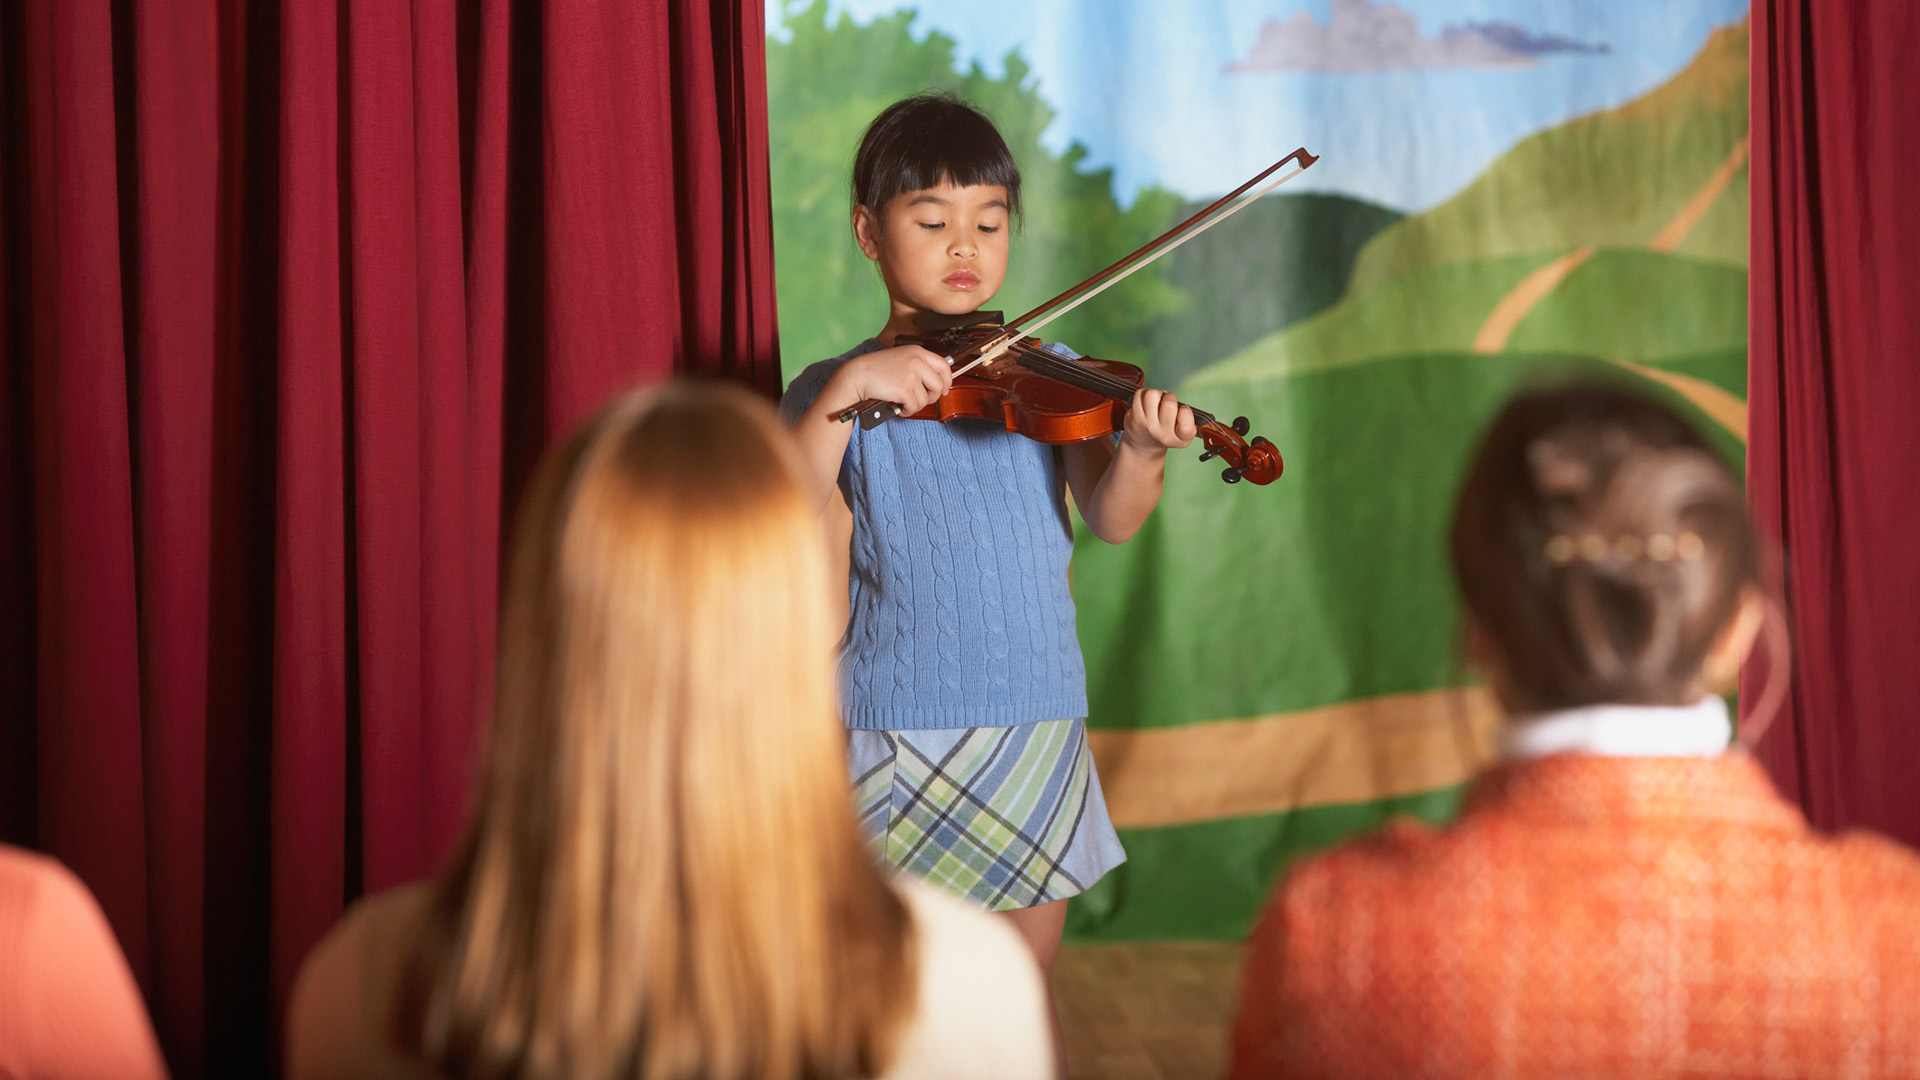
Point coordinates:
[(663, 878)]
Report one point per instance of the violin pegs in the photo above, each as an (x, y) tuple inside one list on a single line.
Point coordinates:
[(1230, 475), (1211, 452), (1240, 425)]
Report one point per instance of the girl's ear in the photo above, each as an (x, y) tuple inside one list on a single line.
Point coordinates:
[(1480, 651), (1721, 669), (1485, 658), (866, 232)]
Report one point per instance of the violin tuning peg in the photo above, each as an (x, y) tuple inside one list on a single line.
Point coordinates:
[(1230, 475), (1208, 454), (1240, 425)]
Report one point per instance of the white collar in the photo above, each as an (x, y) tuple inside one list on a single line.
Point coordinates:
[(1701, 729)]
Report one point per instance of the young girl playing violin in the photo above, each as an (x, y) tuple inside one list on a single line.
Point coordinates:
[(961, 675)]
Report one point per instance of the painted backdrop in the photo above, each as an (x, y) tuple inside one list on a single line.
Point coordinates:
[(1507, 189)]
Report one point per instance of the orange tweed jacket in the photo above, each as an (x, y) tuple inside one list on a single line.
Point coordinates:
[(1593, 916)]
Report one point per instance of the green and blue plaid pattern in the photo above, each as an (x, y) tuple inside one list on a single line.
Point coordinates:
[(1007, 817)]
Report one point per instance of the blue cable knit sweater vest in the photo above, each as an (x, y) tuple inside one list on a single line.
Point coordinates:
[(960, 614)]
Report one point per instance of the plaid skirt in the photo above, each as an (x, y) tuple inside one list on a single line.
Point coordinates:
[(1008, 817)]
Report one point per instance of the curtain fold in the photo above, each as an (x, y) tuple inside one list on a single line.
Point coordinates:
[(1833, 383), (295, 294)]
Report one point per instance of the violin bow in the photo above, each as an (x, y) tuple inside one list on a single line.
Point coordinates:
[(873, 411)]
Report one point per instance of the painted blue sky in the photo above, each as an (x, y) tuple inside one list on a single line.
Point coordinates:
[(1145, 85)]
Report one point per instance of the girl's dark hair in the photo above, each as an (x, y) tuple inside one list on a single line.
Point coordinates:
[(1601, 543), (921, 141)]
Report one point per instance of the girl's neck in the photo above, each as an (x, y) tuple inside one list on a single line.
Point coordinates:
[(898, 323), (901, 322)]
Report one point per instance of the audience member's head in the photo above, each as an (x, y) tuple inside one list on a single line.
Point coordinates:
[(663, 877), (1603, 551)]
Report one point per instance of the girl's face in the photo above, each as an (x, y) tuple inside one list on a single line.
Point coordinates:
[(941, 249)]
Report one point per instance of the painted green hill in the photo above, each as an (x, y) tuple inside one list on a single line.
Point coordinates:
[(1206, 882), (1721, 235), (1621, 304), (1351, 533), (1328, 586), (1641, 306), (1281, 260), (1610, 179), (1426, 309), (1725, 368)]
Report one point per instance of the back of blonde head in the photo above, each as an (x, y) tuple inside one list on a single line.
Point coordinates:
[(663, 878)]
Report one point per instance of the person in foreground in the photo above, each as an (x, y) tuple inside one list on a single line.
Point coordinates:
[(69, 1008), (1625, 894), (662, 877)]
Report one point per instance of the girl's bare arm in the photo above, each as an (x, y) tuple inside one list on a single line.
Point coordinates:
[(1116, 487)]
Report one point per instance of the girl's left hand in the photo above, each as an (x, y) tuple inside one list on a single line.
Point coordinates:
[(1157, 421)]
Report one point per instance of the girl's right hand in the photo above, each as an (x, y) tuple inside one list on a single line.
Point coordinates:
[(909, 375)]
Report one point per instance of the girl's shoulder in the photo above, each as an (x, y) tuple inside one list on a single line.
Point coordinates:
[(950, 927), (980, 997), (806, 386), (349, 985)]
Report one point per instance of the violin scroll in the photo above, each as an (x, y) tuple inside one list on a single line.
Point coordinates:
[(1258, 461)]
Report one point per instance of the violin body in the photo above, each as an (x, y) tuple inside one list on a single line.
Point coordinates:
[(1041, 408), (1051, 399)]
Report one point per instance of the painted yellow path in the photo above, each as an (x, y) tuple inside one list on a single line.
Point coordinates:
[(1728, 411), (1669, 238), (1352, 752), (1522, 298)]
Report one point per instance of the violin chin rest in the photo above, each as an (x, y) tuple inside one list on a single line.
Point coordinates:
[(935, 323)]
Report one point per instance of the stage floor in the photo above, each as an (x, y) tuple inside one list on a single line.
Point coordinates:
[(1147, 1011)]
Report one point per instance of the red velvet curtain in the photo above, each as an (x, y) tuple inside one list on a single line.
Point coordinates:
[(294, 295), (1834, 384)]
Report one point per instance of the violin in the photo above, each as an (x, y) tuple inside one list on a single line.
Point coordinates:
[(1002, 372), (1052, 399)]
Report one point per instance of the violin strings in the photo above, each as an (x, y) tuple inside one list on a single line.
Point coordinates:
[(1069, 371), (1075, 374)]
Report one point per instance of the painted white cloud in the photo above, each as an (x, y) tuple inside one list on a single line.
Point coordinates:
[(1365, 36)]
